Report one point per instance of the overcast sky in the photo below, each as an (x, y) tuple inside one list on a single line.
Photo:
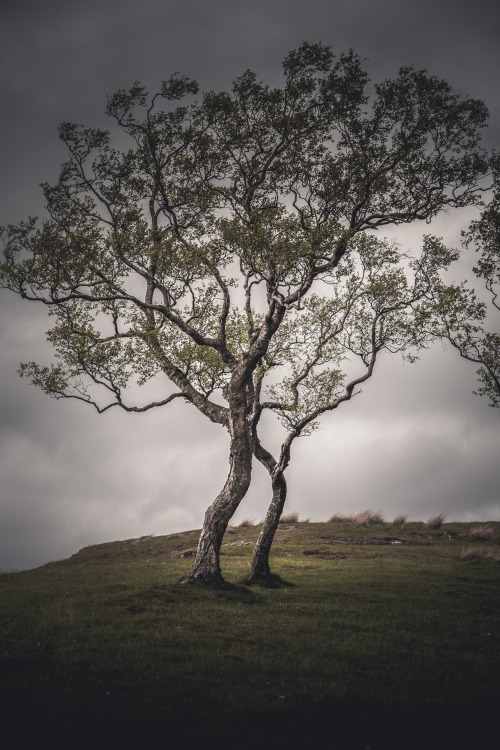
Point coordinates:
[(416, 441)]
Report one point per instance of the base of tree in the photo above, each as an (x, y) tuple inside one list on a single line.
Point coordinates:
[(207, 579), (267, 580)]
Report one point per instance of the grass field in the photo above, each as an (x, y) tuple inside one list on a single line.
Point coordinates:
[(378, 637)]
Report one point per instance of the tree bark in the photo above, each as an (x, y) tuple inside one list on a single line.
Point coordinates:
[(260, 571), (206, 566)]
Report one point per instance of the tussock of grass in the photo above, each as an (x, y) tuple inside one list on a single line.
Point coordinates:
[(247, 522), (368, 518), (435, 522), (400, 520), (482, 532), (478, 552), (339, 518), (292, 517), (364, 518)]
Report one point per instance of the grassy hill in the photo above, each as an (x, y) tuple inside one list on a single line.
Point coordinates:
[(378, 637)]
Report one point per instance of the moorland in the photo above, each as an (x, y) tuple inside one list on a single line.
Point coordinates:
[(374, 636)]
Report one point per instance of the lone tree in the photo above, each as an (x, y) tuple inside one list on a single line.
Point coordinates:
[(184, 255)]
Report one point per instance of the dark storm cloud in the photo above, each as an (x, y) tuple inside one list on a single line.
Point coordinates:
[(416, 441)]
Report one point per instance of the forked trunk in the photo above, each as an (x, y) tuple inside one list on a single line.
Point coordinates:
[(260, 570)]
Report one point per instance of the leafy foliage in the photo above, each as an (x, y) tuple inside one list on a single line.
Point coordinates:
[(273, 182), (459, 315)]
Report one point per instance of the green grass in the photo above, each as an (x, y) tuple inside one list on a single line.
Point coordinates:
[(366, 638)]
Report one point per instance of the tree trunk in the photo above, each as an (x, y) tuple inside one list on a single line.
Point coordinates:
[(206, 567), (260, 570)]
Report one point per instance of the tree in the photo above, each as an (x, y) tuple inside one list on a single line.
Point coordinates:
[(184, 254)]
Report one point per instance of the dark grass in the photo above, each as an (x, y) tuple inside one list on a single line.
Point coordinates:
[(373, 637)]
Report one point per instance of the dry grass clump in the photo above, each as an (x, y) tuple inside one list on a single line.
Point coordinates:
[(435, 522), (482, 532), (472, 553), (364, 518), (339, 518), (368, 518), (400, 520), (247, 522), (292, 517)]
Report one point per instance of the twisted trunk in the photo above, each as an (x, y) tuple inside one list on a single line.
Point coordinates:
[(260, 571), (206, 566)]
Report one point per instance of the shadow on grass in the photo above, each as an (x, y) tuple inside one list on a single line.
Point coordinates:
[(167, 595), (236, 592), (269, 582), (272, 581)]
